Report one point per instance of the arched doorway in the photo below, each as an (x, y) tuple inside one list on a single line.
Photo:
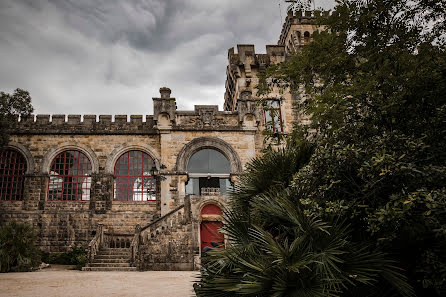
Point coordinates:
[(209, 229)]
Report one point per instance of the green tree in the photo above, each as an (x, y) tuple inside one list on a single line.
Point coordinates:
[(18, 251), (11, 107), (277, 248), (376, 76)]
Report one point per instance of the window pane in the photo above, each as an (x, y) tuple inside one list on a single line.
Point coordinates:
[(12, 174), (68, 173), (273, 103), (208, 161), (273, 120), (193, 187), (133, 180), (225, 185)]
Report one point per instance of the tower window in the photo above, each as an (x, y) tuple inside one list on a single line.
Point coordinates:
[(273, 116), (306, 37), (12, 175)]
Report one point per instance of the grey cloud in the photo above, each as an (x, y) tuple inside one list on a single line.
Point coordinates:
[(111, 56)]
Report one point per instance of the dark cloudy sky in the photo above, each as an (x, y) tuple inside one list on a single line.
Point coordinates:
[(112, 56)]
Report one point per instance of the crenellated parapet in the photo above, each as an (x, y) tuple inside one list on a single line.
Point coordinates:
[(166, 118), (88, 124), (243, 68), (298, 28)]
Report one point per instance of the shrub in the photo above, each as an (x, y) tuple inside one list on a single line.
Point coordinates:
[(75, 256), (18, 251)]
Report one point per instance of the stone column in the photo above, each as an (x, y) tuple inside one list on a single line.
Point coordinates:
[(101, 192), (33, 186)]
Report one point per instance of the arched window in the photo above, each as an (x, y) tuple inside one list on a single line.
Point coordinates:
[(209, 172), (12, 174), (306, 37), (70, 177), (133, 177)]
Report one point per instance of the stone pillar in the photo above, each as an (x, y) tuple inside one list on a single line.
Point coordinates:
[(33, 186), (101, 192), (164, 109), (43, 195), (187, 209)]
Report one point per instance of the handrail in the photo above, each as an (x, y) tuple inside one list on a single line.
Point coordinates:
[(177, 218), (96, 243), (163, 217), (134, 246)]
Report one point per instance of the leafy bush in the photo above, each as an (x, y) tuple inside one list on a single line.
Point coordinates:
[(75, 256), (18, 251), (375, 83), (277, 248)]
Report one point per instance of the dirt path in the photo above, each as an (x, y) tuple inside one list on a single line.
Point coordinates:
[(60, 282)]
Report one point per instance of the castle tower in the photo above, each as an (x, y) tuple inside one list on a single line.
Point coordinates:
[(297, 30)]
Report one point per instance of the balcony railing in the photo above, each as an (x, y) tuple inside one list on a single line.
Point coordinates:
[(210, 191)]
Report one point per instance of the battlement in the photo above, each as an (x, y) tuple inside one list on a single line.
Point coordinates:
[(166, 117), (87, 124), (299, 18), (246, 55), (243, 68)]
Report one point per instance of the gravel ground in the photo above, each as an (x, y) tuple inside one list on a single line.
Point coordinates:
[(58, 281)]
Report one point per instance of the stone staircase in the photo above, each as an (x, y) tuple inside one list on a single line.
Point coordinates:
[(164, 244), (111, 259)]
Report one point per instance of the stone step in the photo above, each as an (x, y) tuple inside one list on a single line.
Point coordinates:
[(111, 260), (101, 256), (114, 249), (109, 269), (113, 252), (96, 264)]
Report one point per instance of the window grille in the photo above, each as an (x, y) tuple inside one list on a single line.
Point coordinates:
[(12, 175), (70, 177), (273, 116), (133, 177)]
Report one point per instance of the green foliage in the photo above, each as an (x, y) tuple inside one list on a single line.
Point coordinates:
[(376, 77), (18, 251), (276, 248), (74, 256), (12, 106)]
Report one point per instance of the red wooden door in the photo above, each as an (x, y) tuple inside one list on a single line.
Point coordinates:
[(209, 232)]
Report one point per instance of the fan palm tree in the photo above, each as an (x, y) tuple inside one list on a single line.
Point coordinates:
[(276, 247), (18, 251)]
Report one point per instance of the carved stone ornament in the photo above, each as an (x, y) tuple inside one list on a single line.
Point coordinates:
[(206, 116)]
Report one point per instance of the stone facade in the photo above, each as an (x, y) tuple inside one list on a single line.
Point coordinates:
[(167, 232)]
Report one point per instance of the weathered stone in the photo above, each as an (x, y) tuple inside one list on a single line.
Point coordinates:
[(168, 232)]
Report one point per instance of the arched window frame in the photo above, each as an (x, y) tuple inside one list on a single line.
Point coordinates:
[(196, 176), (151, 192), (12, 180), (307, 36), (81, 175), (272, 114)]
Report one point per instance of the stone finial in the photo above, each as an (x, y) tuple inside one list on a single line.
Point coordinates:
[(165, 93)]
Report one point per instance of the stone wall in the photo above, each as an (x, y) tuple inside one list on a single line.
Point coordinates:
[(164, 137)]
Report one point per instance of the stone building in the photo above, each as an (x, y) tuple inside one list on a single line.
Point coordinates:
[(144, 193)]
